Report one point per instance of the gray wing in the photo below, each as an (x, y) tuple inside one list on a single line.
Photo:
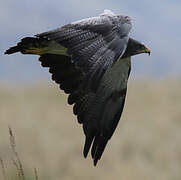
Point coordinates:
[(94, 43), (91, 71), (97, 81), (98, 112)]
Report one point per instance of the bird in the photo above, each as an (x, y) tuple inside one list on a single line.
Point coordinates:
[(90, 59)]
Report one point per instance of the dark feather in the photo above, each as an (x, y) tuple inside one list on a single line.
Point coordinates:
[(28, 43), (88, 141), (91, 48), (63, 71), (100, 145), (86, 72)]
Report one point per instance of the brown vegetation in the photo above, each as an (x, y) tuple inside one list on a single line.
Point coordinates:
[(146, 144)]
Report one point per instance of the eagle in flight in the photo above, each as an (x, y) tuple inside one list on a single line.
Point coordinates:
[(91, 61)]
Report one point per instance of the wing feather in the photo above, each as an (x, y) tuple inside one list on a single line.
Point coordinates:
[(105, 110), (92, 72), (94, 43)]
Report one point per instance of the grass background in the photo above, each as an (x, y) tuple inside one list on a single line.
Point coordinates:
[(146, 144)]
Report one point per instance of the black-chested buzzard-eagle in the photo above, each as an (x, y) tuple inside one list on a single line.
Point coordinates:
[(91, 60)]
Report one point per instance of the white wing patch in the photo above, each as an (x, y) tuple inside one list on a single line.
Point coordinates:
[(96, 20), (108, 12)]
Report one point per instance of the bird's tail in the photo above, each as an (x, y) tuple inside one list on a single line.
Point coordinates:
[(30, 45)]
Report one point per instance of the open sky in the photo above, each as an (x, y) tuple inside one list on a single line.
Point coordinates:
[(156, 23)]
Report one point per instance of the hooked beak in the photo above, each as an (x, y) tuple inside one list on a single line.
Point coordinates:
[(147, 51)]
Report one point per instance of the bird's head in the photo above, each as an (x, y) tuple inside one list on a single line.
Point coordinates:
[(135, 47), (141, 48)]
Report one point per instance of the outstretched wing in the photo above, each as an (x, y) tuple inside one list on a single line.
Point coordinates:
[(100, 111), (94, 43), (85, 59)]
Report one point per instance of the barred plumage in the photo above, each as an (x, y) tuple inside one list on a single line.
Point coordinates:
[(91, 61)]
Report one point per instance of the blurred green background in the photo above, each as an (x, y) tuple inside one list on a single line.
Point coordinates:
[(147, 142)]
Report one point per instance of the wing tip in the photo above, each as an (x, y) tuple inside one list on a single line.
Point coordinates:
[(12, 50), (95, 162), (88, 141), (98, 148)]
